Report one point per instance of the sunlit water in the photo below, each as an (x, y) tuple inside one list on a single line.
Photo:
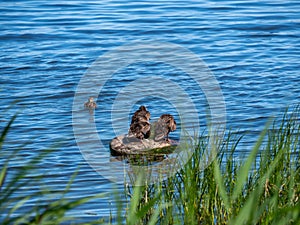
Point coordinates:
[(252, 49)]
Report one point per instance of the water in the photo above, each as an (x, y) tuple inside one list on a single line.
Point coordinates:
[(252, 49)]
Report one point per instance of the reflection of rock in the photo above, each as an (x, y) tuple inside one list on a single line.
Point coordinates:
[(124, 145), (139, 160)]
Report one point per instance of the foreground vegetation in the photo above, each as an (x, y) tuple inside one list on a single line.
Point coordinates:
[(262, 189)]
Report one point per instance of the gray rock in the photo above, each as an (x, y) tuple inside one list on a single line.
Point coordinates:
[(124, 145)]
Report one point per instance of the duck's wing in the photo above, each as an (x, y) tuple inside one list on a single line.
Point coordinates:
[(159, 137), (136, 130), (161, 130), (172, 125), (136, 116), (132, 129), (146, 130)]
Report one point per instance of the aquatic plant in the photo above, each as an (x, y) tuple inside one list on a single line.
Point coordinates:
[(13, 201), (263, 189)]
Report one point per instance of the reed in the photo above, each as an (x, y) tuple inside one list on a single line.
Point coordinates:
[(14, 207), (262, 189)]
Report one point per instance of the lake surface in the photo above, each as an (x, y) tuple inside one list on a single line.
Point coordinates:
[(251, 48)]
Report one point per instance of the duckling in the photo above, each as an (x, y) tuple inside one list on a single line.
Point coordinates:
[(140, 125), (163, 127), (90, 104)]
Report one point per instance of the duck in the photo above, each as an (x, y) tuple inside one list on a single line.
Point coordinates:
[(142, 111), (165, 124), (90, 104), (140, 126)]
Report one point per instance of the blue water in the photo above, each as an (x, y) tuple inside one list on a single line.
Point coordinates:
[(252, 49)]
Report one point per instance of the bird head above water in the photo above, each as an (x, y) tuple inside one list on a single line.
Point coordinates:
[(143, 108), (90, 103), (145, 112)]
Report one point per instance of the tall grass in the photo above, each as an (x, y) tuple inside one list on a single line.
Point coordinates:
[(262, 189), (12, 200)]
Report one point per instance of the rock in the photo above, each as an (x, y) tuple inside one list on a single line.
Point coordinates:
[(123, 145)]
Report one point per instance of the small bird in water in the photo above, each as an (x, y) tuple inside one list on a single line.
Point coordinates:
[(140, 125), (90, 104), (163, 127)]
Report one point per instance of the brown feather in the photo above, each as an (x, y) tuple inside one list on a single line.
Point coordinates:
[(140, 125), (163, 127)]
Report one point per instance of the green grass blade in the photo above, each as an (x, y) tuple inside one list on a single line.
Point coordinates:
[(132, 218), (3, 175), (242, 175), (6, 129), (220, 184)]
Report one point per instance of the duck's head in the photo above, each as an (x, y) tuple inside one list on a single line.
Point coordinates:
[(143, 108), (148, 115), (144, 119), (172, 124)]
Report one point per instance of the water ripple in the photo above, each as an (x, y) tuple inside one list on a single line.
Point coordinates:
[(251, 47)]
